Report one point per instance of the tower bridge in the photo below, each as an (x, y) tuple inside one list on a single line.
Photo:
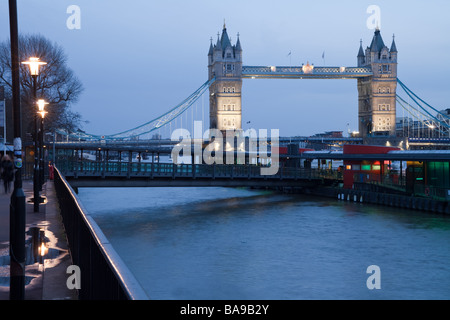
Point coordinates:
[(376, 79), (376, 75)]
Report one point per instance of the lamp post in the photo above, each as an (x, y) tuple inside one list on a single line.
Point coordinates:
[(41, 105), (17, 211), (34, 65)]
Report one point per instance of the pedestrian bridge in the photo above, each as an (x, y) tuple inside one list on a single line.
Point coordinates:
[(153, 174)]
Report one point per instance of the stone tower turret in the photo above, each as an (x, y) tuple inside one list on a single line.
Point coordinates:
[(225, 65), (377, 94)]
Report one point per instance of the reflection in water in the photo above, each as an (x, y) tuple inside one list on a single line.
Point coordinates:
[(39, 247), (222, 243)]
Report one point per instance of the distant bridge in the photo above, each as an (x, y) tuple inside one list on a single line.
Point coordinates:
[(153, 174), (300, 72)]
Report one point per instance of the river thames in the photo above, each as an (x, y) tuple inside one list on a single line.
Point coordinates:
[(239, 244)]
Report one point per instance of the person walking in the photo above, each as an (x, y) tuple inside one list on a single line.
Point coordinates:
[(7, 172)]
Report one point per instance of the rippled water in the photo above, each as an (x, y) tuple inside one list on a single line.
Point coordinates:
[(224, 243)]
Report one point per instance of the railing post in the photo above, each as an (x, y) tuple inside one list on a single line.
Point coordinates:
[(107, 161), (151, 169), (120, 162), (104, 163), (130, 159), (280, 168), (139, 162), (82, 161), (76, 162)]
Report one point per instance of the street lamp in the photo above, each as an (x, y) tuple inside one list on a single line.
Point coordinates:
[(41, 105), (17, 211), (34, 65)]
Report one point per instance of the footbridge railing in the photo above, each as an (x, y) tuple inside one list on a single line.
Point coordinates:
[(103, 276), (79, 169)]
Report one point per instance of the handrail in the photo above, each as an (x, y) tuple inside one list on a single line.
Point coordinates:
[(92, 251)]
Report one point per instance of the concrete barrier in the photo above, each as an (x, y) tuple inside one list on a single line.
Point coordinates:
[(393, 200)]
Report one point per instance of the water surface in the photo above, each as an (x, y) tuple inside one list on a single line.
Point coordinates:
[(226, 243)]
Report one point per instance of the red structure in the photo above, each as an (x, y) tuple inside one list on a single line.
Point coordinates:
[(284, 150), (366, 170)]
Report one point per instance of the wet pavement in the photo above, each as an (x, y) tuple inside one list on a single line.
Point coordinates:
[(47, 255)]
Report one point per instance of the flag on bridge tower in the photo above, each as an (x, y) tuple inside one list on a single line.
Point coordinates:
[(323, 57)]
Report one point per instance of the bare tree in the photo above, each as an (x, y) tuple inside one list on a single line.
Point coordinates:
[(56, 83)]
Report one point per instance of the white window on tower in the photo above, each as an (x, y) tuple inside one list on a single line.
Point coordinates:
[(384, 107)]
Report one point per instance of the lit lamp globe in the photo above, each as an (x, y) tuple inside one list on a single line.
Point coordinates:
[(34, 65), (41, 105)]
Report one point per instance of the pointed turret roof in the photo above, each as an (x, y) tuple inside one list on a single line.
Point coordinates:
[(225, 40), (211, 49), (218, 45), (377, 42), (238, 44), (393, 46), (361, 51)]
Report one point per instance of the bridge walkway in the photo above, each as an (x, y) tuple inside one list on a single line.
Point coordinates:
[(137, 174)]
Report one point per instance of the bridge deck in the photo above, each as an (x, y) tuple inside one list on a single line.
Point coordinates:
[(135, 174), (301, 72)]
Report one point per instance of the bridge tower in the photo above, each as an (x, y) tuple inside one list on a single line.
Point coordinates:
[(377, 93), (225, 64)]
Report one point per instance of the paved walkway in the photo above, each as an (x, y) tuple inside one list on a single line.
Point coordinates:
[(45, 278)]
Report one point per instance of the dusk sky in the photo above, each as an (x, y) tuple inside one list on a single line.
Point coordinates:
[(138, 59)]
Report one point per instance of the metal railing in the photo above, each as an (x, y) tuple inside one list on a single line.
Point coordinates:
[(104, 276), (394, 180), (248, 71), (400, 183), (433, 192), (78, 168)]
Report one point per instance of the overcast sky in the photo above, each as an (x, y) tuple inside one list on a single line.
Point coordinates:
[(137, 59)]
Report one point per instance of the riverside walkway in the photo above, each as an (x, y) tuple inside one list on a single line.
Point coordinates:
[(45, 275)]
